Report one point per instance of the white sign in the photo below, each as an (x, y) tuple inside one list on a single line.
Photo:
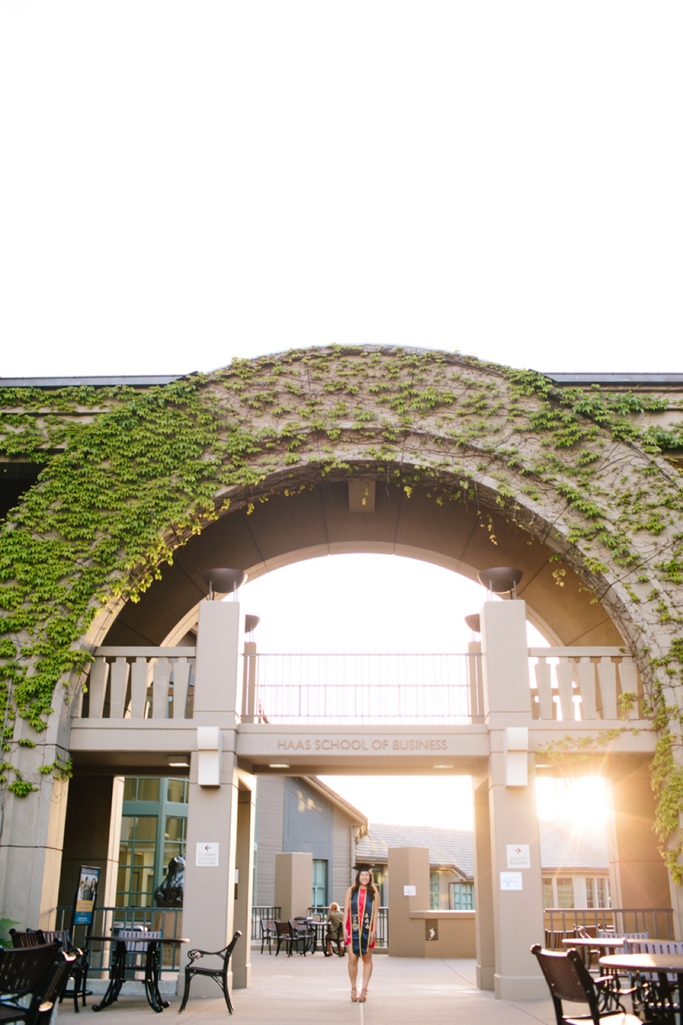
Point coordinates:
[(207, 855), (511, 880), (410, 891), (518, 855)]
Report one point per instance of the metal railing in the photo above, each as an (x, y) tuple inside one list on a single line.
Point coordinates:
[(107, 920), (259, 911), (658, 922), (584, 683), (382, 938), (139, 683), (352, 689)]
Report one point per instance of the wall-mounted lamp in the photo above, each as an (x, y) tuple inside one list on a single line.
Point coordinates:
[(501, 580), (474, 622), (250, 624), (223, 581), (178, 761)]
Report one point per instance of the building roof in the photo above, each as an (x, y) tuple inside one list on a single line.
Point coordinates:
[(563, 846), (356, 816), (447, 847), (615, 378), (132, 380)]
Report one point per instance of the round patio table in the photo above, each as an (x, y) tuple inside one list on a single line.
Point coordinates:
[(120, 965)]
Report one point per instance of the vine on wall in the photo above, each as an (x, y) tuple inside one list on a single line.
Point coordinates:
[(131, 475)]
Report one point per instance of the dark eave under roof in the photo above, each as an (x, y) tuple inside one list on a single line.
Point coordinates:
[(623, 378), (93, 382)]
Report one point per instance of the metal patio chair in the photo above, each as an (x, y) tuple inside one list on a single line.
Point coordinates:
[(31, 979), (220, 974), (569, 979)]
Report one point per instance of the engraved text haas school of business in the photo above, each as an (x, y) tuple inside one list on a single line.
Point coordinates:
[(364, 744)]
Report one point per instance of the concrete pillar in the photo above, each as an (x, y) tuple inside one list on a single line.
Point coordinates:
[(515, 846), (244, 878), (92, 835), (483, 887), (32, 827), (208, 904), (407, 867), (637, 868), (293, 883)]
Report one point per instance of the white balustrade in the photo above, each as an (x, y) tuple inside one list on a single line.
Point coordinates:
[(138, 683), (583, 683)]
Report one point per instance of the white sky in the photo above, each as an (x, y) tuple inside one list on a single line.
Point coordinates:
[(181, 183)]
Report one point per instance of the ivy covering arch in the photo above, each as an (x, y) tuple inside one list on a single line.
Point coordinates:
[(127, 485)]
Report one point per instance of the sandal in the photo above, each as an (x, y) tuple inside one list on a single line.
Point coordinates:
[(363, 996), (354, 997)]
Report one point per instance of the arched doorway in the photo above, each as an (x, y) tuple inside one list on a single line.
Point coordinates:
[(421, 453)]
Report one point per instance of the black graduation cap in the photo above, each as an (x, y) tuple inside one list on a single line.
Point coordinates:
[(363, 866)]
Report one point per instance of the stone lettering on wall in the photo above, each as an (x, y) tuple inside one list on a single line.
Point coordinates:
[(364, 744)]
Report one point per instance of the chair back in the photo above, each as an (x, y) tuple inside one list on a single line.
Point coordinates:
[(28, 938), (267, 925), (567, 977), (22, 968), (57, 936), (654, 946), (51, 985), (553, 939), (231, 946), (131, 935), (283, 928)]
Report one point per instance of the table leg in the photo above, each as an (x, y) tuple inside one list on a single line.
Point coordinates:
[(152, 962), (117, 974)]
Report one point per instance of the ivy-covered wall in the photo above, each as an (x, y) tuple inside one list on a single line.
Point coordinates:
[(132, 474)]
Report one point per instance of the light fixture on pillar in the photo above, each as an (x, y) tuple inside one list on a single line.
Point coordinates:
[(474, 622), (500, 580), (223, 581), (250, 624)]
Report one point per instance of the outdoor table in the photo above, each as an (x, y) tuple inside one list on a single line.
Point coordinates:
[(320, 929), (660, 965), (587, 943), (119, 966), (598, 943)]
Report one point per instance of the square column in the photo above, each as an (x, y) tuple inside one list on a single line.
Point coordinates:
[(244, 878), (515, 850), (212, 827), (483, 887), (293, 883)]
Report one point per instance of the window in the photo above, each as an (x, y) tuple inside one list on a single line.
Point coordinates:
[(153, 830), (135, 884), (461, 896), (434, 891), (565, 892), (548, 899), (319, 898), (597, 892)]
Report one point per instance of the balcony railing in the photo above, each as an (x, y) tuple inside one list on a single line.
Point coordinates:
[(353, 689), (139, 683), (568, 684), (584, 683), (657, 922)]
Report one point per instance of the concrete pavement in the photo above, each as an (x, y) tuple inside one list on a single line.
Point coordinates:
[(298, 991)]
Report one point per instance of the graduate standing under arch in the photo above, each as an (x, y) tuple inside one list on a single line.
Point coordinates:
[(361, 908)]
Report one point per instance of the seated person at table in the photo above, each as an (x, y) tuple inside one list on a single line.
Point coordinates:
[(335, 928)]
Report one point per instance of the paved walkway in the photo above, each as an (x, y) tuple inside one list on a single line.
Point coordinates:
[(298, 991)]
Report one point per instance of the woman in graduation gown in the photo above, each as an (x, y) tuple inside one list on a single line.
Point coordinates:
[(361, 908)]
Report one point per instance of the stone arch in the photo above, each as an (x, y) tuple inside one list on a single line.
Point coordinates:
[(566, 470)]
